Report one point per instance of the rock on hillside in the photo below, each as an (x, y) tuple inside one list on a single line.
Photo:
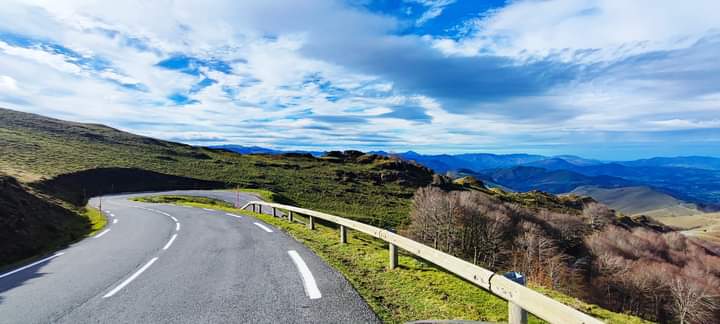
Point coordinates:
[(383, 169)]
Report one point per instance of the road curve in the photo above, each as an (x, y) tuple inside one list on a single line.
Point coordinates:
[(157, 263)]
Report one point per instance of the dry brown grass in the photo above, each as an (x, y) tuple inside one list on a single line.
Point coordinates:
[(705, 226)]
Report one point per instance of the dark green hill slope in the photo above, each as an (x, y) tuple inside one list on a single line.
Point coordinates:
[(32, 224)]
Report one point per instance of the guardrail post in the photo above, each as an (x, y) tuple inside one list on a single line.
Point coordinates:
[(393, 257), (290, 216), (516, 315), (273, 212), (311, 222), (343, 234)]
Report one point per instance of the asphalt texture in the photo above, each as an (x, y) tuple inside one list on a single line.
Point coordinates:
[(217, 269)]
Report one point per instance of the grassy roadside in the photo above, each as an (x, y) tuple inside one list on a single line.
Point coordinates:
[(97, 220), (416, 290)]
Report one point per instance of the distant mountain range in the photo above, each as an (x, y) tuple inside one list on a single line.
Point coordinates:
[(687, 179), (261, 150)]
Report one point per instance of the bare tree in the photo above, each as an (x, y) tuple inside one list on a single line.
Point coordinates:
[(598, 215), (694, 301)]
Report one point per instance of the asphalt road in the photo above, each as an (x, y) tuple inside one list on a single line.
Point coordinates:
[(157, 263)]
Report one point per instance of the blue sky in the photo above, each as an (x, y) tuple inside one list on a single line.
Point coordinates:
[(606, 79)]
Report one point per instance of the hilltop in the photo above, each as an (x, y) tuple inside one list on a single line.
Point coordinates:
[(46, 153), (638, 200)]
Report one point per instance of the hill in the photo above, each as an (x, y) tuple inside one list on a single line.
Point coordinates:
[(261, 150), (44, 152), (695, 179), (698, 186), (694, 162), (638, 200), (523, 178), (32, 224), (442, 163)]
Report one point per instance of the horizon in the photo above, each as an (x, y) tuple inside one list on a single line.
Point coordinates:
[(551, 78), (403, 151)]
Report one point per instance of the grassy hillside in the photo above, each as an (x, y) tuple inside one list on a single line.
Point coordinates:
[(32, 224), (37, 149)]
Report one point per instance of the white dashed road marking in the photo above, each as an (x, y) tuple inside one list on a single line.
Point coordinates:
[(102, 233), (129, 280), (31, 264), (172, 239), (265, 228)]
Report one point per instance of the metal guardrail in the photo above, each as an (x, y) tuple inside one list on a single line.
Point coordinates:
[(517, 295)]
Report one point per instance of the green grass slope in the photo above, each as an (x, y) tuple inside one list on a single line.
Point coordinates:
[(45, 151)]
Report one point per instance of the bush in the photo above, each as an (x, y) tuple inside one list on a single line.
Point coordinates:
[(586, 254)]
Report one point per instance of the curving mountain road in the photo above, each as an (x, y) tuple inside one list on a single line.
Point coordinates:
[(170, 264)]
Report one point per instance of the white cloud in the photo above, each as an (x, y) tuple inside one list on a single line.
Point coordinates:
[(8, 84), (56, 61), (434, 9), (364, 71), (615, 28)]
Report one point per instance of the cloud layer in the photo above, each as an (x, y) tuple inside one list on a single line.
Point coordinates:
[(597, 78)]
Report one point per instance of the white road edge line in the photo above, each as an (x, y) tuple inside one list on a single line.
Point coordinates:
[(311, 288), (208, 209), (177, 227), (31, 264), (172, 239), (265, 228), (129, 280), (173, 218), (115, 221), (112, 215), (102, 233), (233, 215)]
